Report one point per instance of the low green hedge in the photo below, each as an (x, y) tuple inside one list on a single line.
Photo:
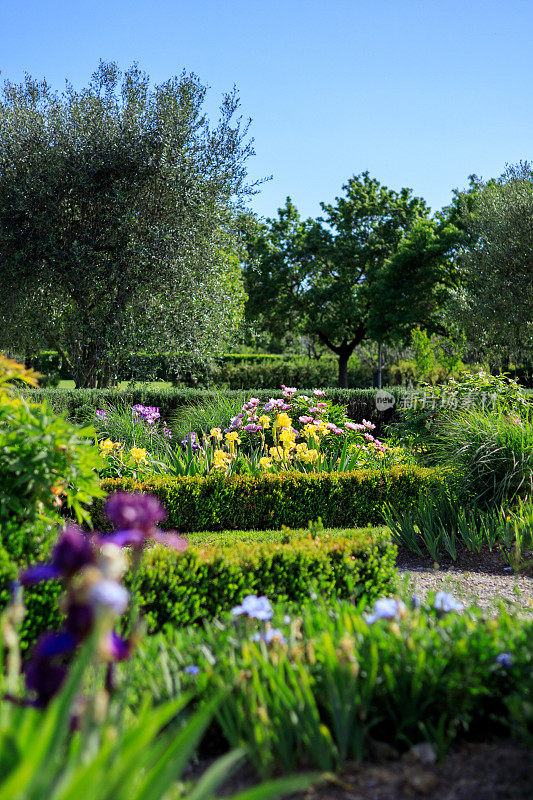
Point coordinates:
[(41, 601), (80, 404), (205, 582), (244, 502), (234, 370)]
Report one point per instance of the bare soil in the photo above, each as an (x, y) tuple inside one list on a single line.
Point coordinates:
[(472, 772)]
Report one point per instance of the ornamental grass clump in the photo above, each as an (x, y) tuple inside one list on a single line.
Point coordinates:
[(491, 450)]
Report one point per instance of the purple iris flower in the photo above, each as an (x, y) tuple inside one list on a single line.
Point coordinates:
[(45, 672), (137, 515), (192, 440), (45, 678), (252, 428), (119, 648), (101, 415), (80, 620), (141, 511), (148, 413), (73, 551)]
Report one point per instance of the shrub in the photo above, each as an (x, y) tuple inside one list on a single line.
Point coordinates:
[(305, 373), (317, 689), (45, 463), (342, 500), (204, 583)]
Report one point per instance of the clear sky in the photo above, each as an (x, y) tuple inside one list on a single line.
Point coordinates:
[(421, 93)]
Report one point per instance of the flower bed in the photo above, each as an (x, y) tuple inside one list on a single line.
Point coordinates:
[(324, 686)]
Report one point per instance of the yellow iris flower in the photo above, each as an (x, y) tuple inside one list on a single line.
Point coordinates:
[(283, 421), (138, 453)]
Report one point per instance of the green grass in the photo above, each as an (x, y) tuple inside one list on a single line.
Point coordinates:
[(226, 539)]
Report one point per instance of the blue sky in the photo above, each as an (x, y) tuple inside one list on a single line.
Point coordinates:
[(421, 93)]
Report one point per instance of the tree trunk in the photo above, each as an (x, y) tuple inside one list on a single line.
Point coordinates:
[(344, 355), (343, 351)]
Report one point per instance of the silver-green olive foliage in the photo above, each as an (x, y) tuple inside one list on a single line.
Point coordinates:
[(495, 302), (118, 207)]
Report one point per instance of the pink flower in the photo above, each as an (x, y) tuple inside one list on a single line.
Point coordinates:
[(322, 406), (319, 392), (288, 391), (368, 425), (338, 430), (305, 420), (354, 426)]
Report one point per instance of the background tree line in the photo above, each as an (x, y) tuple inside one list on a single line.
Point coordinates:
[(123, 227)]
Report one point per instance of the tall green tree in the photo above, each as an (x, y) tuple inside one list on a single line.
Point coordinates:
[(118, 219), (325, 276), (494, 303)]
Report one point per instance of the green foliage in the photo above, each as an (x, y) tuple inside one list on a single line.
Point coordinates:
[(104, 188), (416, 281), (216, 410), (303, 372), (492, 450), (495, 302), (45, 463), (425, 358), (243, 502), (337, 682), (204, 583), (479, 391), (322, 276), (114, 758), (450, 522)]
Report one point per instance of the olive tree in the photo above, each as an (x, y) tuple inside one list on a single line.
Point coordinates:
[(118, 219), (494, 304)]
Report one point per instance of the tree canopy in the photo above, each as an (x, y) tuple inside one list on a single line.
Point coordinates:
[(118, 219), (494, 303), (373, 265)]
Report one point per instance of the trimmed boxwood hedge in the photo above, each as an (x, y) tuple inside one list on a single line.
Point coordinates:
[(205, 582), (244, 502)]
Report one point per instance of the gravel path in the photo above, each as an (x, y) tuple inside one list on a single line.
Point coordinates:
[(483, 588)]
